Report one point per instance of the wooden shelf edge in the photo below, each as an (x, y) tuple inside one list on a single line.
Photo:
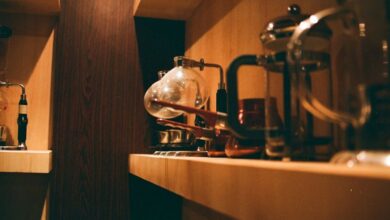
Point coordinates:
[(165, 9), (30, 161), (300, 167), (247, 189), (40, 7)]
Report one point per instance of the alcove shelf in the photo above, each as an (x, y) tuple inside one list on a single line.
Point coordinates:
[(44, 7), (254, 189), (30, 62), (30, 161), (165, 9)]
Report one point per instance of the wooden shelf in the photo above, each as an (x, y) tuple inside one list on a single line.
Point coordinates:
[(30, 161), (46, 7), (165, 9), (249, 189)]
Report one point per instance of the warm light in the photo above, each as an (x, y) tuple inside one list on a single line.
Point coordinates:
[(304, 25), (179, 74), (270, 26), (384, 45), (362, 29), (350, 163), (313, 19), (387, 161), (362, 156), (165, 89)]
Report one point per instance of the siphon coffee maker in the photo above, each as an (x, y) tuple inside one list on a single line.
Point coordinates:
[(360, 69), (294, 138), (184, 86)]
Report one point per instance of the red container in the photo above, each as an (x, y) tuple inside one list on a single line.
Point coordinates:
[(251, 115)]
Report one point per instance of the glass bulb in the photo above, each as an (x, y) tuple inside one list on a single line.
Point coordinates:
[(181, 85), (154, 93)]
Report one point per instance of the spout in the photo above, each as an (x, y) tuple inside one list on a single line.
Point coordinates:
[(8, 84)]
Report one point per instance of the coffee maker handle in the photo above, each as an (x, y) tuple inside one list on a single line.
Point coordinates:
[(233, 122), (294, 56)]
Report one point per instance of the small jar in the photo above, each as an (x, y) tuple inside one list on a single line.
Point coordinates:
[(251, 115)]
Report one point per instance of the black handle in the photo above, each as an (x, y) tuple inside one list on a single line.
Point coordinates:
[(237, 129), (22, 128), (221, 100), (22, 121)]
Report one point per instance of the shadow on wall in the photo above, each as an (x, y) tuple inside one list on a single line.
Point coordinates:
[(22, 195)]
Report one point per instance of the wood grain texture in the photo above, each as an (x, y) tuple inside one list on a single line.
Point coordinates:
[(167, 9), (26, 161), (255, 189), (47, 7), (98, 114), (30, 57)]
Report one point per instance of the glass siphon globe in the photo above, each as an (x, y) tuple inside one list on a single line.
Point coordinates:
[(181, 85)]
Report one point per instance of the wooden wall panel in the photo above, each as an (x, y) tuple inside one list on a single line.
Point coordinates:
[(99, 116), (221, 30)]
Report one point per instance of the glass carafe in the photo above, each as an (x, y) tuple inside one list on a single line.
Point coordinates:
[(360, 72), (284, 139)]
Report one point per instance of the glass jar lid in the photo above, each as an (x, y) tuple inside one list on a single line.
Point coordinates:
[(277, 32)]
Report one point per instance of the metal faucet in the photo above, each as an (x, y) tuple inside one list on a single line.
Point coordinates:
[(22, 117)]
